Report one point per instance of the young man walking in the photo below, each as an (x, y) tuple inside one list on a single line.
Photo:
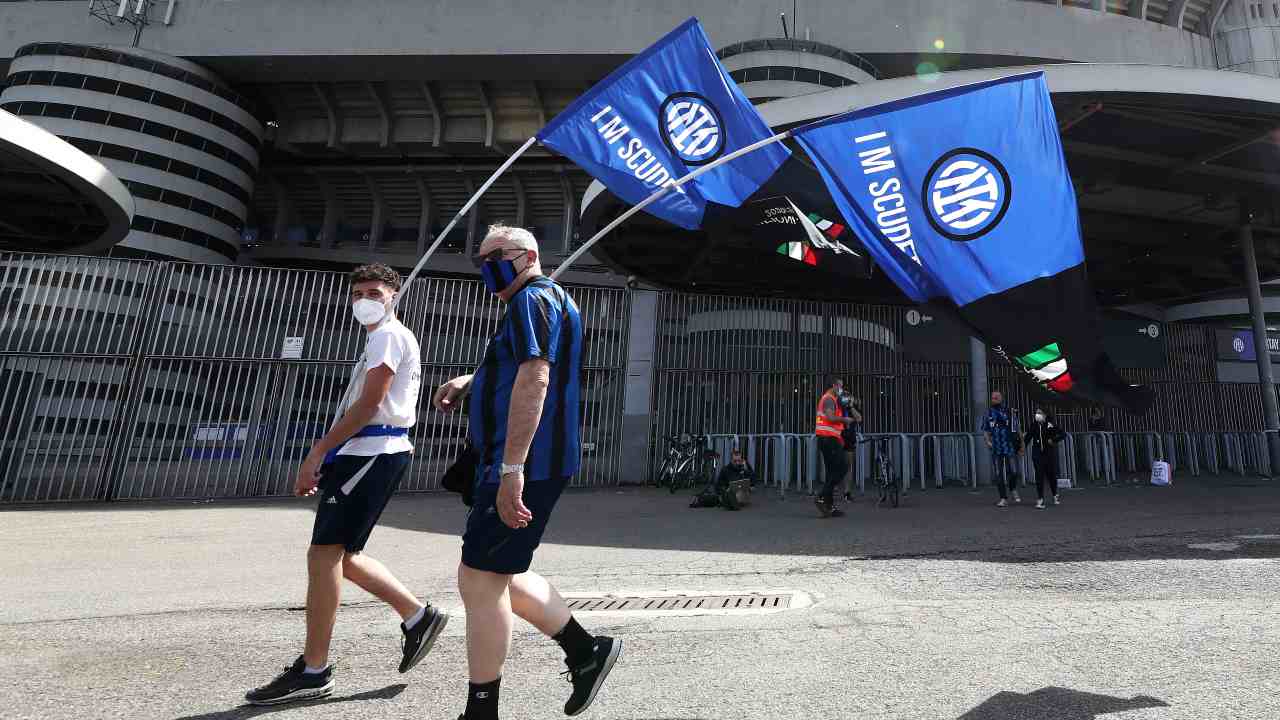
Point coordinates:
[(524, 423), (354, 469)]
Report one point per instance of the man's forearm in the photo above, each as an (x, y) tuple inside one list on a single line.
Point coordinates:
[(527, 398)]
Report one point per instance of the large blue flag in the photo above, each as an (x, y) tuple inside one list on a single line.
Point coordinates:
[(963, 198), (955, 191), (660, 116)]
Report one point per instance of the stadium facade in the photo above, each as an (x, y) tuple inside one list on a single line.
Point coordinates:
[(318, 135)]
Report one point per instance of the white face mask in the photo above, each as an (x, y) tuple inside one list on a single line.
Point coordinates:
[(368, 312), (1039, 417)]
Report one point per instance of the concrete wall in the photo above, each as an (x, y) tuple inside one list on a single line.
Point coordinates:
[(225, 28)]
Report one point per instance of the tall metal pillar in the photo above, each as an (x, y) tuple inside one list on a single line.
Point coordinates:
[(979, 393), (638, 404), (1271, 414)]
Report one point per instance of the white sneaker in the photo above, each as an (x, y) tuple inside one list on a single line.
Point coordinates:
[(1040, 504), (1056, 501), (1002, 503), (1016, 497)]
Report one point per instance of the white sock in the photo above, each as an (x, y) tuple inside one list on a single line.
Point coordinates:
[(313, 671), (422, 611)]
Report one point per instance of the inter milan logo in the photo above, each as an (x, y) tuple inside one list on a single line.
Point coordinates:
[(1237, 344), (967, 193), (692, 129)]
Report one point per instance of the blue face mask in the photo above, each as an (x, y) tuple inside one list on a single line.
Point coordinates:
[(498, 274)]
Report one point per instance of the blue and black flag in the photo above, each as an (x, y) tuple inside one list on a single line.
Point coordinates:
[(963, 198), (666, 112)]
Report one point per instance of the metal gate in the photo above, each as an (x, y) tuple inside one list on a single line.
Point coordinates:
[(126, 379)]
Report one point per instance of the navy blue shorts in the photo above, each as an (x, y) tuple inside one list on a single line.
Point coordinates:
[(354, 490), (490, 545)]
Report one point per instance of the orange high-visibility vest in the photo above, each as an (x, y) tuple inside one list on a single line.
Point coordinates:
[(826, 428)]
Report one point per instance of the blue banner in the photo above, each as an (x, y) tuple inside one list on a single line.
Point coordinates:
[(957, 194), (667, 111)]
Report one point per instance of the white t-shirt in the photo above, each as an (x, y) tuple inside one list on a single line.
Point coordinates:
[(393, 345)]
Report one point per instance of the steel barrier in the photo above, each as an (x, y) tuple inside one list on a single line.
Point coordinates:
[(1099, 455), (1207, 449), (1130, 447), (939, 469), (1183, 452), (1246, 451)]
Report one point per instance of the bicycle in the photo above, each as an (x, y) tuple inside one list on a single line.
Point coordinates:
[(882, 471), (686, 462)]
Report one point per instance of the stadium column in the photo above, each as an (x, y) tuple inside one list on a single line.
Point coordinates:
[(980, 393), (1262, 354), (637, 403)]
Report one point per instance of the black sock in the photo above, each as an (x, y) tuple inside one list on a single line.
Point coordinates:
[(578, 644), (482, 700)]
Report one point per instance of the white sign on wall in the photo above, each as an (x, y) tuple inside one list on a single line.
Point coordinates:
[(292, 348)]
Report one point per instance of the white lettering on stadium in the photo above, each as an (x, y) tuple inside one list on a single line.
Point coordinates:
[(642, 162), (889, 202)]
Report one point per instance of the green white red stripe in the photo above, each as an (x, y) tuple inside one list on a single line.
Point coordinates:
[(798, 251), (1048, 367), (830, 229)]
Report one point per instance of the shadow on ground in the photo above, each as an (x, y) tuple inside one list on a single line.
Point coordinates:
[(1056, 703), (252, 711)]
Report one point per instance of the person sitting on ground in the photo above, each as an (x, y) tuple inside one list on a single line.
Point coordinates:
[(736, 478)]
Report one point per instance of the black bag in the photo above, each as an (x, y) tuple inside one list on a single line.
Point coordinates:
[(461, 475)]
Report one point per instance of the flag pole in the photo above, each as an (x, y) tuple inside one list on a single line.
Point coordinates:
[(662, 192), (422, 262)]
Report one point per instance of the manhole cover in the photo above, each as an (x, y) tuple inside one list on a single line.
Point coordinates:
[(689, 603)]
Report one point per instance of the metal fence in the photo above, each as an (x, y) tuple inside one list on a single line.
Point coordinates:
[(139, 379), (756, 366)]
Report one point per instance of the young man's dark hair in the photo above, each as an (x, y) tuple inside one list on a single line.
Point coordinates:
[(375, 271)]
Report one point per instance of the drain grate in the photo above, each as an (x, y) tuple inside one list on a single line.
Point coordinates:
[(680, 603)]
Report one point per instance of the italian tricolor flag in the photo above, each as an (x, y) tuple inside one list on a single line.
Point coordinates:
[(1048, 367), (798, 251), (832, 230)]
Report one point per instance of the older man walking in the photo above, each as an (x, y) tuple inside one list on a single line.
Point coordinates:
[(524, 424)]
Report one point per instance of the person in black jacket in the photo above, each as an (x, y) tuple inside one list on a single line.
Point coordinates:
[(735, 477), (1042, 439)]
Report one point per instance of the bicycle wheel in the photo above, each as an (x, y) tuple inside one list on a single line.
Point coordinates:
[(894, 489), (666, 475), (680, 478)]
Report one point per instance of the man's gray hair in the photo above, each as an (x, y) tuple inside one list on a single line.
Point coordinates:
[(513, 237)]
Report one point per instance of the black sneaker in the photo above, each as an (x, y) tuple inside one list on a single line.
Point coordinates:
[(293, 684), (417, 641), (588, 677), (836, 512), (824, 509)]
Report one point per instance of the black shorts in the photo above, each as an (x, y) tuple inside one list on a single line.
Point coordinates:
[(490, 545), (354, 490)]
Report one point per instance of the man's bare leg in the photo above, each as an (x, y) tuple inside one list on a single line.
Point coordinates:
[(324, 586), (534, 600), (378, 581)]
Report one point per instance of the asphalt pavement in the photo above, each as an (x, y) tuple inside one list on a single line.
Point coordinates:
[(1123, 603)]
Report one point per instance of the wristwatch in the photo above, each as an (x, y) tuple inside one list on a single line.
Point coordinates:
[(508, 469)]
